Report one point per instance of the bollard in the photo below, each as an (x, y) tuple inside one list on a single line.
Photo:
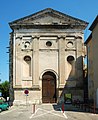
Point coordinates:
[(94, 108), (63, 107), (33, 108)]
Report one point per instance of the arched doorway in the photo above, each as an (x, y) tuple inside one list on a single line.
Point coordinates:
[(49, 87)]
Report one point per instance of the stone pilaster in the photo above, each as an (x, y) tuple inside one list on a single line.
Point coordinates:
[(11, 91), (79, 61), (36, 61), (18, 65), (61, 61), (14, 60)]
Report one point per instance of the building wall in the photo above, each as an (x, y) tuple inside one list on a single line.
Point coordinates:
[(95, 59), (47, 41), (90, 70), (44, 58), (92, 47)]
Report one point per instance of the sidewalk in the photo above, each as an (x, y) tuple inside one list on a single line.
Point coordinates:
[(54, 112), (47, 112), (59, 107)]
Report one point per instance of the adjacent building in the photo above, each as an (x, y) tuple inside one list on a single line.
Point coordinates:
[(90, 71), (92, 49), (46, 57)]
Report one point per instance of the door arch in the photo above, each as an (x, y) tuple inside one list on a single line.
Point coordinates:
[(49, 94)]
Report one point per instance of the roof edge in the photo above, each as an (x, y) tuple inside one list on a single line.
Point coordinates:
[(48, 10), (94, 23), (88, 39)]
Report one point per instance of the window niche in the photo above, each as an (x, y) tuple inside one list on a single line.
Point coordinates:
[(70, 44), (26, 43), (71, 61), (27, 66), (48, 43)]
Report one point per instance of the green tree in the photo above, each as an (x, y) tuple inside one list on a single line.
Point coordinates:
[(5, 89)]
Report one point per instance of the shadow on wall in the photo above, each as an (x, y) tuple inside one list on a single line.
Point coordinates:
[(74, 85), (75, 88)]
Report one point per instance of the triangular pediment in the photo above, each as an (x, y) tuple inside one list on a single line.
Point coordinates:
[(49, 17)]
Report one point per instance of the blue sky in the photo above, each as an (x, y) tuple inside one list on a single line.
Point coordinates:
[(14, 9)]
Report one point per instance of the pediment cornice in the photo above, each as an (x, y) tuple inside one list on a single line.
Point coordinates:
[(48, 17)]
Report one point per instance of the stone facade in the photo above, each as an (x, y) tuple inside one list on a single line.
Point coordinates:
[(90, 69), (47, 45), (92, 48)]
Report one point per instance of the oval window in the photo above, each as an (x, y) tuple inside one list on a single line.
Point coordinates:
[(48, 43), (27, 43), (70, 59), (70, 44), (27, 58)]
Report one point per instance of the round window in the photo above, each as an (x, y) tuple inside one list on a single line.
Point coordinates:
[(70, 44), (27, 58), (48, 43), (70, 59), (27, 43)]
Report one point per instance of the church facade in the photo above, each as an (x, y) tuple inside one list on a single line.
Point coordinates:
[(46, 57)]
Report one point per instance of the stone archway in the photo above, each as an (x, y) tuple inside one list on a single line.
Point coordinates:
[(49, 94)]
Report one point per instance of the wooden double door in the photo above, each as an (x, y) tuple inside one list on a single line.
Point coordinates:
[(49, 89)]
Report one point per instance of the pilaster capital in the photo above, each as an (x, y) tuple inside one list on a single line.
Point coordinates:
[(36, 36), (61, 36), (78, 37), (19, 37)]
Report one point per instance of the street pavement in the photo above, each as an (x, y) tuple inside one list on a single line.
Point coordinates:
[(46, 112)]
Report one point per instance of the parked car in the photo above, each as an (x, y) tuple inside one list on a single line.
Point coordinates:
[(3, 105)]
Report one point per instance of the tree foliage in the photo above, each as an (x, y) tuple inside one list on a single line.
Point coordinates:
[(4, 88)]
